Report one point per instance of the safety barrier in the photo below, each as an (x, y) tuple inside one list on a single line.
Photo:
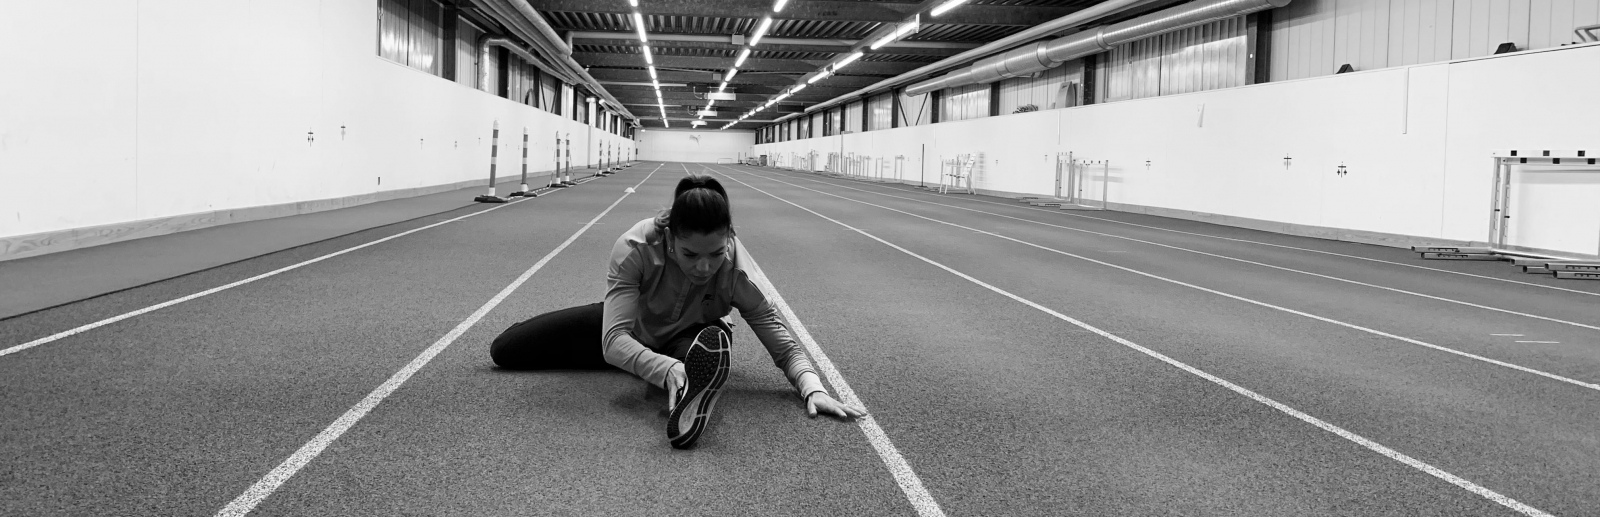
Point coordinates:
[(494, 154)]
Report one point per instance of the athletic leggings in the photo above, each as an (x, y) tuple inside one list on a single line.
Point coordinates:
[(570, 339)]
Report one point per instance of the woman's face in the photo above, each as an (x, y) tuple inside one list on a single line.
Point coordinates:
[(700, 255)]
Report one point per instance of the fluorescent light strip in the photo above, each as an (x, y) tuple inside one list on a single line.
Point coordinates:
[(742, 55), (946, 7), (723, 87), (649, 59), (652, 73), (818, 77), (885, 40), (729, 77), (638, 24), (908, 28), (777, 8), (634, 3), (761, 30), (847, 60), (800, 87)]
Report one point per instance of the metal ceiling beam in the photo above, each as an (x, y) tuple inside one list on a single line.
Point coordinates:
[(683, 98), (596, 59), (667, 47), (819, 10), (819, 93), (897, 47), (720, 107), (692, 119), (739, 81)]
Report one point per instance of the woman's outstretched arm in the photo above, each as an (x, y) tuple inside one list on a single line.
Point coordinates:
[(763, 317), (621, 314)]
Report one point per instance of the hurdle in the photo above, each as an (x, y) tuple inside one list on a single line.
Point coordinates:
[(1076, 168), (494, 153), (1500, 217), (961, 169)]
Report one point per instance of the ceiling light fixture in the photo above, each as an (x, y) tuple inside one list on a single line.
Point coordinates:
[(638, 24), (742, 55), (761, 30), (847, 60), (729, 77), (777, 8), (946, 7), (648, 58), (820, 76), (884, 40)]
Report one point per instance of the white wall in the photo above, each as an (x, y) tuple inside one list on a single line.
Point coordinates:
[(1415, 140), (195, 106), (672, 145)]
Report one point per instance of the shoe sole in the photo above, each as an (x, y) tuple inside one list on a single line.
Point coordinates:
[(705, 369)]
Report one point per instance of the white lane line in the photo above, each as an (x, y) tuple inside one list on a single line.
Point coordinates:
[(1542, 342), (1507, 335), (261, 489), (1319, 275), (214, 290), (909, 483), (1496, 362), (1070, 214), (1369, 444)]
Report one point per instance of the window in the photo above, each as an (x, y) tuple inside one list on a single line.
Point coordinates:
[(409, 33), (467, 53)]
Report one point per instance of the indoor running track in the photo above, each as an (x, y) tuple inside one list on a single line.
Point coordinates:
[(1015, 361)]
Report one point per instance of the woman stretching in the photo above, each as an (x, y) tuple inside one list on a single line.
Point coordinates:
[(672, 282)]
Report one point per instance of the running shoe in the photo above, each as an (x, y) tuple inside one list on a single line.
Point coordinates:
[(705, 369)]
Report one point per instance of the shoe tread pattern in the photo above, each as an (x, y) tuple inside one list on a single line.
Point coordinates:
[(705, 369)]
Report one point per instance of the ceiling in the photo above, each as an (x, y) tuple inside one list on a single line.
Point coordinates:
[(804, 37)]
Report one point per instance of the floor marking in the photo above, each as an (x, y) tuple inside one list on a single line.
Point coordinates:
[(214, 290), (909, 483), (1369, 444), (1346, 280), (1059, 212), (261, 489), (1507, 335), (1542, 342), (114, 319), (1497, 362)]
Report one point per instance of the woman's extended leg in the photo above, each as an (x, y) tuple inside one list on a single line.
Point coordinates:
[(567, 339)]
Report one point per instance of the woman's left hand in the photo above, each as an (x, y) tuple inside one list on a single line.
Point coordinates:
[(822, 402)]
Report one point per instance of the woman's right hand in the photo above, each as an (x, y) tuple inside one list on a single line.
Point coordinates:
[(676, 379)]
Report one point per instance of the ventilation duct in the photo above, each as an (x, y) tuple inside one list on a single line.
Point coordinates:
[(1044, 55), (530, 26)]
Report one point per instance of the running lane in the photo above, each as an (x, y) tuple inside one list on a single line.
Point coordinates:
[(1194, 446), (176, 411), (1480, 282), (463, 437)]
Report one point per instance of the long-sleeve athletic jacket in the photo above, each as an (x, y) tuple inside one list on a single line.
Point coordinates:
[(649, 300)]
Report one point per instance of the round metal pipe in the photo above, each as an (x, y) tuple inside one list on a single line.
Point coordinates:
[(532, 27), (1178, 18), (1044, 55), (1099, 10)]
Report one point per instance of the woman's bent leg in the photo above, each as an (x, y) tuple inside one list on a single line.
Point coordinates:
[(567, 339)]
